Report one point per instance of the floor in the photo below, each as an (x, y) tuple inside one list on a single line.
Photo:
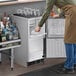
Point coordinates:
[(5, 67)]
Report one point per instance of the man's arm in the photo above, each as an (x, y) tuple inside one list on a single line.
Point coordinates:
[(50, 4)]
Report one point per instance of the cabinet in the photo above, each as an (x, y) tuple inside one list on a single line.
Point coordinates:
[(32, 42), (55, 38)]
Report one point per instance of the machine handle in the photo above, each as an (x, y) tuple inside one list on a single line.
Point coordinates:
[(38, 36)]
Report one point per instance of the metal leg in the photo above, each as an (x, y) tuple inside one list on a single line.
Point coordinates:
[(12, 59), (0, 57)]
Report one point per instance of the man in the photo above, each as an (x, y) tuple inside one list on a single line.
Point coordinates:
[(69, 9)]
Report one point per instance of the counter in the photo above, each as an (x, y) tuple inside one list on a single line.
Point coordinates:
[(19, 2)]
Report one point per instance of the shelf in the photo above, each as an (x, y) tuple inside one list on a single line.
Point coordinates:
[(19, 2), (10, 47), (6, 48), (12, 41)]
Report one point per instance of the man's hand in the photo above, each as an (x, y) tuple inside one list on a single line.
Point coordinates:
[(37, 29)]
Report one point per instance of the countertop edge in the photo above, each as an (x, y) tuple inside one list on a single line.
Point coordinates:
[(18, 2)]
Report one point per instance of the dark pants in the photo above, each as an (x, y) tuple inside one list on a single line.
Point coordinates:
[(70, 56)]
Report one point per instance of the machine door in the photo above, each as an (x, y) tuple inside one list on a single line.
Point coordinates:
[(55, 27), (55, 38), (55, 48)]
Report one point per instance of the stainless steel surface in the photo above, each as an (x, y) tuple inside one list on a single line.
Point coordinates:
[(32, 42), (55, 28), (55, 38)]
